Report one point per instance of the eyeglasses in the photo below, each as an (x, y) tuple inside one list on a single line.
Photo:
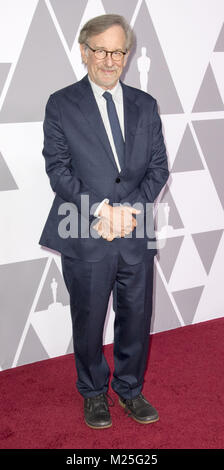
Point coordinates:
[(101, 53)]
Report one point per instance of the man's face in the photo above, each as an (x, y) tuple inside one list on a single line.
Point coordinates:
[(105, 72)]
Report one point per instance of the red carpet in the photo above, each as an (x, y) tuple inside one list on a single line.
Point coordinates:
[(41, 408)]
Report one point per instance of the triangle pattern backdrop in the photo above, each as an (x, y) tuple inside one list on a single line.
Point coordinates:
[(35, 319), (162, 88), (69, 14), (207, 244), (209, 98), (42, 68), (210, 134), (187, 158)]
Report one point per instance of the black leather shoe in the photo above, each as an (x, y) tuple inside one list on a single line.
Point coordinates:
[(96, 411), (139, 409)]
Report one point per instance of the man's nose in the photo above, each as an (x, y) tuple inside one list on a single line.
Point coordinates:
[(108, 59)]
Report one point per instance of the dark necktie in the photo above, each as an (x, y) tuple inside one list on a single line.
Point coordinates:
[(115, 127)]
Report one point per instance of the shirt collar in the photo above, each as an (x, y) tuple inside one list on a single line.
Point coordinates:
[(116, 91)]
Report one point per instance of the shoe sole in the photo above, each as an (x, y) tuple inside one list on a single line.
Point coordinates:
[(98, 427), (139, 420)]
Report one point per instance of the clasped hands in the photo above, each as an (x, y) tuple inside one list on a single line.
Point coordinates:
[(116, 221)]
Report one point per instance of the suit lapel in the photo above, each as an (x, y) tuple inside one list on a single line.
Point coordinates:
[(131, 117), (90, 110)]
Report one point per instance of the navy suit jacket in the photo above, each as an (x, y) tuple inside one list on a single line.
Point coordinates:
[(79, 162)]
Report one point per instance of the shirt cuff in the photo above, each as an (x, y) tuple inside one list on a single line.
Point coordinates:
[(96, 213)]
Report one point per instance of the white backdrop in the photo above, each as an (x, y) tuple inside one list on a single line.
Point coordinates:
[(39, 54)]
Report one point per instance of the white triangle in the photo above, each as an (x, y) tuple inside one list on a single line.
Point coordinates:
[(54, 328), (211, 302), (173, 130), (24, 213), (195, 197), (188, 270), (193, 31)]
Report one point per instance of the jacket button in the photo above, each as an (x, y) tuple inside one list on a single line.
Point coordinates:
[(118, 180)]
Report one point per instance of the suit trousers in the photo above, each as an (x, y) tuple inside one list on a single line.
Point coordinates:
[(89, 285)]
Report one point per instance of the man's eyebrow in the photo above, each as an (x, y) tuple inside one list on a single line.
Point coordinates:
[(105, 48)]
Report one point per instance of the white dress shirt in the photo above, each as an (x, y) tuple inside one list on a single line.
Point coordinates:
[(117, 94)]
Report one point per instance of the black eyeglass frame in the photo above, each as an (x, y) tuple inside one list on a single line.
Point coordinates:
[(106, 52)]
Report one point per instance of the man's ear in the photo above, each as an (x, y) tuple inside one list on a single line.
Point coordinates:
[(83, 53)]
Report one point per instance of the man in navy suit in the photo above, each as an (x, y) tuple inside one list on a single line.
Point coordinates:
[(106, 161)]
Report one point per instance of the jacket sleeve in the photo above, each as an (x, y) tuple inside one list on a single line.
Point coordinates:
[(58, 161), (157, 172)]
